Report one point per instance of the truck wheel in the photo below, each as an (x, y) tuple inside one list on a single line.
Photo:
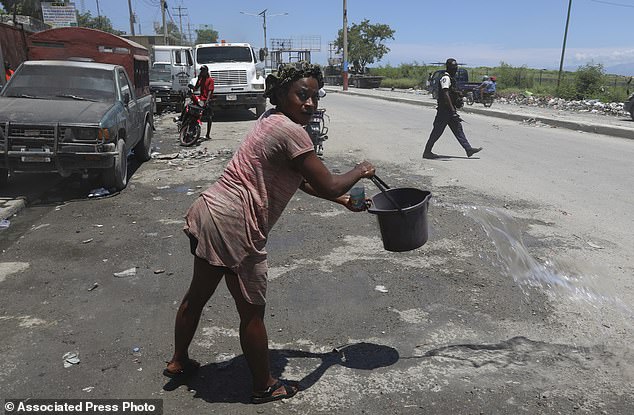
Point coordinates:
[(632, 112), (469, 98), (143, 149), (117, 176), (4, 177), (260, 109)]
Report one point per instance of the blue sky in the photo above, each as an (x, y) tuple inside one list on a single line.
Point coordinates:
[(475, 32)]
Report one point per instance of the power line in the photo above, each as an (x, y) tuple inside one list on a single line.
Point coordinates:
[(613, 4)]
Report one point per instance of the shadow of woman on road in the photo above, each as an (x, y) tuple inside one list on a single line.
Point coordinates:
[(230, 381)]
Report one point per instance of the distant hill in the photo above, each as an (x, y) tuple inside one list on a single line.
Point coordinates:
[(625, 69)]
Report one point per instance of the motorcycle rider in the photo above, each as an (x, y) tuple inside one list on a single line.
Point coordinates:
[(206, 84), (486, 87)]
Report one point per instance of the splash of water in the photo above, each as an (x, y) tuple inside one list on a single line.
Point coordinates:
[(554, 278)]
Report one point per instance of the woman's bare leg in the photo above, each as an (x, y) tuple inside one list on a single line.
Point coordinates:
[(204, 282), (253, 337)]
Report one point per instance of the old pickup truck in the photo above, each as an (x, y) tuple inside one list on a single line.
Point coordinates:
[(80, 104), (73, 117)]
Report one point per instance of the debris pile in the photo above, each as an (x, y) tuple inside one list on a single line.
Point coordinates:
[(589, 105), (193, 157)]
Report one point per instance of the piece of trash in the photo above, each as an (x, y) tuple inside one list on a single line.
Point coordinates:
[(88, 389), (98, 192), (95, 285), (87, 241), (594, 245), (4, 224), (169, 156), (167, 237), (43, 225), (131, 272), (381, 288), (136, 349), (97, 226), (162, 187), (159, 271), (70, 359)]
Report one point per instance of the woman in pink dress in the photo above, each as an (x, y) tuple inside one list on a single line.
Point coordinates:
[(229, 224)]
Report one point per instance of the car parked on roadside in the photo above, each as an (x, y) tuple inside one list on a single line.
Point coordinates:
[(73, 117)]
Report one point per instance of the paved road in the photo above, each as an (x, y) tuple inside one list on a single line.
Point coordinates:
[(454, 333)]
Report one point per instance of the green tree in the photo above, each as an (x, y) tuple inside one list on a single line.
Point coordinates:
[(172, 32), (100, 22), (365, 43), (207, 34), (31, 8)]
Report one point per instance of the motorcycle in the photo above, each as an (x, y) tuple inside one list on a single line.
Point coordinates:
[(189, 125), (318, 131), (474, 96)]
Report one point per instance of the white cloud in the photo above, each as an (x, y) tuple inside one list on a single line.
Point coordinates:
[(492, 55)]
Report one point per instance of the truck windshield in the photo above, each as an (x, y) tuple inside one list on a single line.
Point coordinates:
[(160, 75), (219, 54), (59, 82)]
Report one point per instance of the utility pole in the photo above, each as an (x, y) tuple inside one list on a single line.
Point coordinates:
[(98, 13), (345, 45), (131, 17), (563, 48), (189, 33), (180, 20), (163, 5), (263, 14)]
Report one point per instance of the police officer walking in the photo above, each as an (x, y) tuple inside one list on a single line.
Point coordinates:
[(449, 100)]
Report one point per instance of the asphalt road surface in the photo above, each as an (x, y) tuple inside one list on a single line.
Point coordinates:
[(520, 302)]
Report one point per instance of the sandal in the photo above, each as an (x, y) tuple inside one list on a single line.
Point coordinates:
[(290, 390), (191, 366)]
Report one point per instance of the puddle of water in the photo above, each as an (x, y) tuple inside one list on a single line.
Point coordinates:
[(555, 278)]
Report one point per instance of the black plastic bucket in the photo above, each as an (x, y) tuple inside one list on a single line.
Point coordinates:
[(404, 226)]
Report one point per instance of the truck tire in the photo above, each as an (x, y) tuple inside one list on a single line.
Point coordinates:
[(143, 149), (260, 109), (632, 112), (117, 176)]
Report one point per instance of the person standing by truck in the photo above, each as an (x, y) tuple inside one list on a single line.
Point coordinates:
[(206, 84), (449, 100)]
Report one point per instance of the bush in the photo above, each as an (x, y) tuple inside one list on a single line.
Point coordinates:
[(400, 83), (588, 81)]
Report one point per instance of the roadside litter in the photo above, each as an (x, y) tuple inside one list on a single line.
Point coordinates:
[(4, 224), (70, 359), (131, 272), (381, 289), (99, 192), (95, 285)]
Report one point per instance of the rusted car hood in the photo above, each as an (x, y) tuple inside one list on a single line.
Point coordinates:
[(34, 111)]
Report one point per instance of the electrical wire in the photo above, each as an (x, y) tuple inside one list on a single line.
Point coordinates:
[(612, 4)]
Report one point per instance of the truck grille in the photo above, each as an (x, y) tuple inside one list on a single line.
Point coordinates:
[(224, 78), (33, 136)]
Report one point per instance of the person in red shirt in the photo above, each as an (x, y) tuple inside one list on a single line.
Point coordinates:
[(8, 72), (206, 85)]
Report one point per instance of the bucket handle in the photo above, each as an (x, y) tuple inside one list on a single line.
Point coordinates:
[(383, 187), (379, 183)]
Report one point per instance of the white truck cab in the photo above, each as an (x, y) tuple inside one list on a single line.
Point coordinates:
[(237, 72), (178, 60)]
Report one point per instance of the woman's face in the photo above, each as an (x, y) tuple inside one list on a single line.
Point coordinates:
[(301, 100)]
